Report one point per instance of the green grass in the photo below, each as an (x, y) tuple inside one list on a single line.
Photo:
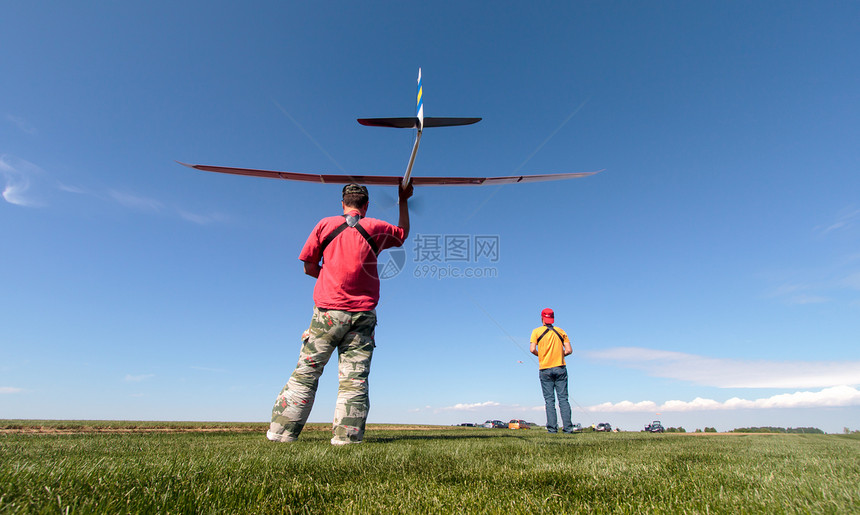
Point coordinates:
[(442, 470)]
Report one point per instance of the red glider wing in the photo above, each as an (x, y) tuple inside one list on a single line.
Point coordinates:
[(389, 180)]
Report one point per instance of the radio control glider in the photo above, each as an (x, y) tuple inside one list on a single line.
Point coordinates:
[(419, 122)]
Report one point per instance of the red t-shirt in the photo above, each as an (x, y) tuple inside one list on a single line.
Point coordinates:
[(349, 280)]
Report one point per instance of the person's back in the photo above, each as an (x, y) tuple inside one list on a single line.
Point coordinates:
[(551, 351), (341, 253), (349, 279), (551, 344)]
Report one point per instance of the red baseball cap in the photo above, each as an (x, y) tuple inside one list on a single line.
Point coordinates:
[(548, 316)]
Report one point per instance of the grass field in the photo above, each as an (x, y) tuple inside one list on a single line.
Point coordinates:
[(85, 467)]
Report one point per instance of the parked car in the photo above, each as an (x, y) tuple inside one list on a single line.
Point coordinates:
[(654, 427), (604, 427), (577, 428), (518, 424), (494, 424)]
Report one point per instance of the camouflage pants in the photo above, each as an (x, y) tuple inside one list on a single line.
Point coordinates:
[(351, 333)]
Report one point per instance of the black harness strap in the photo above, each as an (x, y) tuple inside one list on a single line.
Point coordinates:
[(328, 239), (367, 237), (548, 329), (344, 226)]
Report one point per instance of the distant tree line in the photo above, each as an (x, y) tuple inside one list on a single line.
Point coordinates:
[(768, 429)]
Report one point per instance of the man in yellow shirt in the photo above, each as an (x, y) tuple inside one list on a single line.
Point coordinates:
[(551, 344)]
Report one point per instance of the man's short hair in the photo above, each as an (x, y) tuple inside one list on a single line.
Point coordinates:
[(355, 195)]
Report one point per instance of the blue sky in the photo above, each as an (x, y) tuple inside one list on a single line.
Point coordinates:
[(710, 276)]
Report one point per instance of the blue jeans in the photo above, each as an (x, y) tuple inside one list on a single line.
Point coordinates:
[(553, 381)]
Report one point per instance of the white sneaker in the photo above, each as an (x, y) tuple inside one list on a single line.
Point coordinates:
[(335, 441), (277, 437)]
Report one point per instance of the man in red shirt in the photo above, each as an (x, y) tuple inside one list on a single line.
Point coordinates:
[(341, 253)]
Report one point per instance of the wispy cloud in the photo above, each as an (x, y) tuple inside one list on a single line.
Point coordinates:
[(831, 281), (472, 406), (136, 202), (801, 299), (17, 175), (846, 219), (202, 219), (72, 189), (138, 378), (154, 206), (800, 294), (22, 124), (837, 396), (732, 373), (10, 390)]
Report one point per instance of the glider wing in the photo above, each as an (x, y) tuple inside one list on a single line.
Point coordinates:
[(371, 180), (388, 180), (412, 123), (485, 181)]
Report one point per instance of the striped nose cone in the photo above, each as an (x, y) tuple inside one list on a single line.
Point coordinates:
[(420, 102)]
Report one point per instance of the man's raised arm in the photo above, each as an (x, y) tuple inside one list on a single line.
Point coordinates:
[(403, 222)]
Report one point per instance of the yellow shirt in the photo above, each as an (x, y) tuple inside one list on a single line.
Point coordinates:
[(550, 348)]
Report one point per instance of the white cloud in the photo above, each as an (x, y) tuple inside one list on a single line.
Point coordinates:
[(18, 178), (14, 191), (471, 407), (732, 373), (837, 396), (138, 378), (10, 389), (17, 174)]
